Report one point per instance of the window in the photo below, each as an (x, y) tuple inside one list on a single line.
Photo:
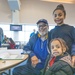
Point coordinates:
[(23, 35)]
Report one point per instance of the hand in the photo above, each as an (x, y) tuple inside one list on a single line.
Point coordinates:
[(73, 60), (34, 61)]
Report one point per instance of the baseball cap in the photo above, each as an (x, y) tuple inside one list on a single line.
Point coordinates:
[(42, 20)]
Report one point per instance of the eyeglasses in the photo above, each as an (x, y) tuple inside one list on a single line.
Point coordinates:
[(43, 25)]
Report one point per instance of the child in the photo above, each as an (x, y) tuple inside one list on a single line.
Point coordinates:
[(63, 30), (60, 61)]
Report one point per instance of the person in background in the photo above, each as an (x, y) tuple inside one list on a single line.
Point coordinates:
[(64, 31), (5, 39), (1, 36), (37, 46), (32, 33), (11, 43), (60, 60)]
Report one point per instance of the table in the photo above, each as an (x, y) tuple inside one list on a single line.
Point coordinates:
[(4, 45), (8, 64)]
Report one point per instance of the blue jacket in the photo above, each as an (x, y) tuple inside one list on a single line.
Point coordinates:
[(36, 48)]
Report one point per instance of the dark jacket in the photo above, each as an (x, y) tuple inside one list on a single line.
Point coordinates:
[(61, 66), (65, 32)]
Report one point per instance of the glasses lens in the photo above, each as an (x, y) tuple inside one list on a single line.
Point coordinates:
[(42, 25)]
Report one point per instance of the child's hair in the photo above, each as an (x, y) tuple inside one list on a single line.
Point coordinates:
[(60, 7), (62, 42)]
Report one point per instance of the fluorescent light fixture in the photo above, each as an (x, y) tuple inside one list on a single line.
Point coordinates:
[(62, 1)]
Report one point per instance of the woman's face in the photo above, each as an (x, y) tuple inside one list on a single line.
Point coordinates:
[(59, 17)]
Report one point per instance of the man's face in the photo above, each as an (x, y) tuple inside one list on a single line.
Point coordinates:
[(42, 29)]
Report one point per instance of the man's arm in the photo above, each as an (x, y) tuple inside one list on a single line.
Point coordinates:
[(29, 47)]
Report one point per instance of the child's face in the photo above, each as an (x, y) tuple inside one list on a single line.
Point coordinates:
[(59, 17), (56, 48)]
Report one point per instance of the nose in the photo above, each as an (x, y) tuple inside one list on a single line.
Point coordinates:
[(55, 49)]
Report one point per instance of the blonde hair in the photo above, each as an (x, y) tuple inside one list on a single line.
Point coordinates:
[(62, 42)]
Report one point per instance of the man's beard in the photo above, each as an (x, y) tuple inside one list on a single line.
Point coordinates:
[(43, 33)]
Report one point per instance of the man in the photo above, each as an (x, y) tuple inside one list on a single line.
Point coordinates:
[(37, 46), (1, 36), (32, 33)]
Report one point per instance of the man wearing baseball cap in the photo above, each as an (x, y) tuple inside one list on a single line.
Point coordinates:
[(37, 46)]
